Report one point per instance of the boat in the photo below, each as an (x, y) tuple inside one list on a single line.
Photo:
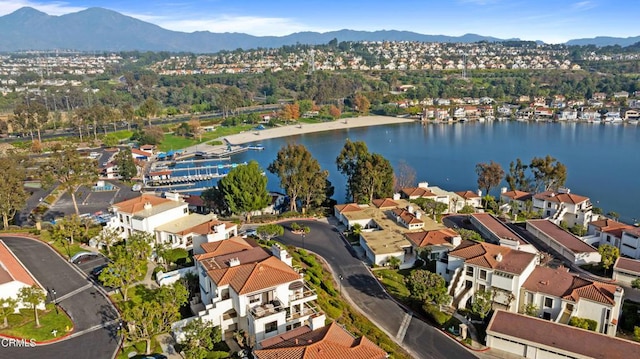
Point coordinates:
[(257, 147)]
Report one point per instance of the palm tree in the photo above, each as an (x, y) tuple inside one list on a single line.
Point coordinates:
[(394, 262)]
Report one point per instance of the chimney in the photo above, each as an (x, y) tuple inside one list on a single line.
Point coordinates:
[(234, 262), (418, 214), (396, 196), (424, 185), (503, 190), (147, 205), (479, 193), (410, 209), (564, 190), (456, 240), (281, 254), (174, 196), (499, 257)]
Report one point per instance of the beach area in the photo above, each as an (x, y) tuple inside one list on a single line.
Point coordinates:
[(302, 128)]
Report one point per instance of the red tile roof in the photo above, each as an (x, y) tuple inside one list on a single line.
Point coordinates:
[(417, 192), (253, 277), (561, 197), (218, 248), (566, 239), (330, 342), (11, 269), (486, 255), (517, 195), (194, 200), (136, 151), (432, 238), (610, 226), (468, 194), (349, 207), (627, 265), (134, 205), (497, 227), (385, 203), (560, 283), (562, 337), (406, 216)]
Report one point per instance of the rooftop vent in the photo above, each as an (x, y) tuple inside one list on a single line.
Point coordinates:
[(234, 262), (499, 257)]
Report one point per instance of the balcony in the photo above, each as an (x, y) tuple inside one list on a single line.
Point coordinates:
[(307, 310), (305, 294), (266, 309)]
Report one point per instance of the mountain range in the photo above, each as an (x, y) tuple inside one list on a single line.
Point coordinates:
[(98, 29)]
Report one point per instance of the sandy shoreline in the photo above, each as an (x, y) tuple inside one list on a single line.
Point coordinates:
[(292, 130)]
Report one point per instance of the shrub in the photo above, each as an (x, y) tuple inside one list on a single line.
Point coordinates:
[(434, 313), (583, 323), (635, 283)]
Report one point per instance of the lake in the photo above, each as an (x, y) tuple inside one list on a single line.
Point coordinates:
[(603, 161)]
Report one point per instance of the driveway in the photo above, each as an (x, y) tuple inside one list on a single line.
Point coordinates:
[(419, 338), (93, 315)]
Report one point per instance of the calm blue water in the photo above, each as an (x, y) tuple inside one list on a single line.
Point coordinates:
[(603, 161)]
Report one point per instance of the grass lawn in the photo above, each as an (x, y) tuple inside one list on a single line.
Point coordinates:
[(23, 325), (173, 142), (393, 280), (140, 348), (123, 135), (67, 250)]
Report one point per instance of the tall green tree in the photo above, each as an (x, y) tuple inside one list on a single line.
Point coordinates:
[(30, 116), (300, 174), (348, 161), (155, 315), (126, 166), (608, 254), (200, 338), (517, 176), (489, 175), (13, 197), (548, 173), (107, 238), (374, 178), (482, 302), (269, 231), (149, 109), (8, 306), (71, 170), (123, 270), (245, 189), (33, 296), (67, 229), (214, 200), (427, 287)]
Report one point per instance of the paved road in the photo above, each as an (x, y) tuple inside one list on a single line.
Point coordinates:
[(419, 338), (93, 315)]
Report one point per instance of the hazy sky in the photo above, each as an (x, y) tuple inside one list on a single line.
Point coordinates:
[(552, 21)]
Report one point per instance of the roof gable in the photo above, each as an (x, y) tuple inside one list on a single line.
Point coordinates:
[(136, 204), (493, 256), (431, 238), (560, 283), (385, 203), (329, 342), (11, 269)]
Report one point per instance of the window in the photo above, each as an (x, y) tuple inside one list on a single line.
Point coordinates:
[(254, 298), (548, 302), (271, 327), (549, 205), (481, 287), (185, 210), (483, 274), (470, 271), (608, 238)]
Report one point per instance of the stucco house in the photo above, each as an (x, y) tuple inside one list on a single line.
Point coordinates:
[(471, 198), (146, 212), (626, 270), (497, 232), (564, 206), (437, 243), (532, 337), (476, 266), (190, 232), (566, 244), (245, 287), (14, 276), (559, 296)]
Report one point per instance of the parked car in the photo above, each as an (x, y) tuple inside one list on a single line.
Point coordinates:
[(136, 187), (85, 258), (95, 272)]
